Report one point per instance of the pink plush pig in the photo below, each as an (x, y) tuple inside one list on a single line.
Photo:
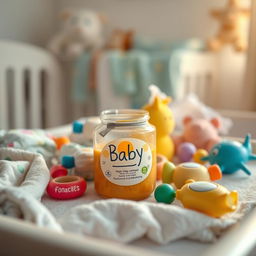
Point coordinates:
[(201, 132)]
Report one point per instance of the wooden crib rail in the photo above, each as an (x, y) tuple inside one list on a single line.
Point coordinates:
[(199, 75)]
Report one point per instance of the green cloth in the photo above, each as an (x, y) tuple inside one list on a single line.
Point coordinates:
[(151, 62), (151, 45), (131, 73), (80, 78), (123, 71)]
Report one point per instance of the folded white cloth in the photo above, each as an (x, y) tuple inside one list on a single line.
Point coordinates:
[(126, 221), (23, 179)]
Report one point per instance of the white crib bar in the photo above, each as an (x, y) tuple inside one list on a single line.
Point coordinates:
[(4, 121), (35, 99), (198, 75), (19, 99), (201, 86), (54, 97)]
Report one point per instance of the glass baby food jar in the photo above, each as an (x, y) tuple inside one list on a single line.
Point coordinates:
[(125, 155)]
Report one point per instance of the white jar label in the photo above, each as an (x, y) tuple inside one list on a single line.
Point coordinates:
[(126, 161)]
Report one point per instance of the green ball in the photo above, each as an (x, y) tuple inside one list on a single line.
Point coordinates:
[(165, 193)]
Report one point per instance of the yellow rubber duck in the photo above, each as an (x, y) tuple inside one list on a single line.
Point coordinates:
[(162, 118)]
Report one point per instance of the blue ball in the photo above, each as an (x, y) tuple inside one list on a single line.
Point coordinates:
[(165, 193), (68, 161)]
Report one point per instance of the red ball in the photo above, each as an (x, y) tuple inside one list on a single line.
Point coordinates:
[(58, 171)]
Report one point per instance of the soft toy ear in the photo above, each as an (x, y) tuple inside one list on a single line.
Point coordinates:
[(129, 37), (216, 122), (215, 13), (157, 102), (103, 18), (187, 119), (65, 14)]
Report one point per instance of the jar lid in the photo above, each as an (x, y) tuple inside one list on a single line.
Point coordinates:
[(126, 116), (122, 117)]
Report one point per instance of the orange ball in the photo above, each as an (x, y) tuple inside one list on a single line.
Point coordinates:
[(60, 141)]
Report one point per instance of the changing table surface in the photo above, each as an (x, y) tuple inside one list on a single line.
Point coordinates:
[(180, 247), (183, 246)]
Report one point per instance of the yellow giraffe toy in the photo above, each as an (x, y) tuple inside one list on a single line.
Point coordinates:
[(162, 118)]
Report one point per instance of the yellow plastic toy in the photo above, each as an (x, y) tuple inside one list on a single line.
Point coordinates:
[(178, 175), (208, 198), (162, 118), (199, 154)]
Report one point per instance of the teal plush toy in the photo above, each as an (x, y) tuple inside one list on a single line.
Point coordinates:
[(231, 156)]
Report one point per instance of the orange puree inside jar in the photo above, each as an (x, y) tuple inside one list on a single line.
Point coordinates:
[(125, 155), (138, 191)]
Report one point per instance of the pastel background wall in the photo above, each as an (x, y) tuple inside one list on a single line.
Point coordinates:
[(35, 21), (166, 19), (30, 21)]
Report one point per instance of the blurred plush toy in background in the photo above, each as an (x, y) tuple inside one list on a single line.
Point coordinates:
[(162, 118), (121, 39), (81, 31), (200, 132), (230, 30)]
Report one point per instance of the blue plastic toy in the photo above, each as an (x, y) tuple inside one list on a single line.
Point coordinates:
[(231, 156)]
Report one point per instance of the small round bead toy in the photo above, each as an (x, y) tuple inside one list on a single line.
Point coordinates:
[(165, 193), (68, 161), (199, 154), (186, 151), (60, 141)]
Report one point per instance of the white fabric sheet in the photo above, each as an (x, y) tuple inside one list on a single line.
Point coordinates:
[(126, 221), (23, 179)]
